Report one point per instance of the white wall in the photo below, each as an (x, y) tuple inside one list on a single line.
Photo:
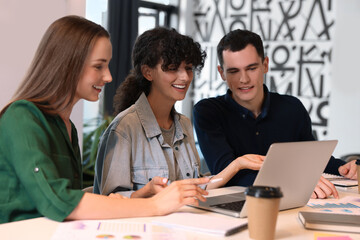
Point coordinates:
[(344, 119), (22, 25), (186, 27)]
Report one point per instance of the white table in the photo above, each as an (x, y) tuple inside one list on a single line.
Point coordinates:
[(288, 226)]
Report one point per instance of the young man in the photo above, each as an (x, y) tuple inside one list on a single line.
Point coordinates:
[(249, 118)]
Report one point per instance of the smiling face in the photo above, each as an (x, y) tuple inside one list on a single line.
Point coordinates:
[(171, 85), (244, 73), (96, 71)]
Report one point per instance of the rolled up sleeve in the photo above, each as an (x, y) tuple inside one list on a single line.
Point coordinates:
[(40, 166)]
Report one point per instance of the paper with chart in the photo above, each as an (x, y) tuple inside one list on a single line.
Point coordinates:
[(346, 205), (111, 229), (91, 229)]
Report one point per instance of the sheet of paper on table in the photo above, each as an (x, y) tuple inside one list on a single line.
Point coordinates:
[(112, 229)]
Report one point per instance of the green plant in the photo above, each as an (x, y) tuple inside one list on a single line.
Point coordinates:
[(90, 146)]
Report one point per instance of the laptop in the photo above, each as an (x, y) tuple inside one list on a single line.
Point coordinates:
[(295, 167)]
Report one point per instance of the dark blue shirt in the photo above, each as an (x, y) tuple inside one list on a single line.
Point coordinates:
[(226, 130)]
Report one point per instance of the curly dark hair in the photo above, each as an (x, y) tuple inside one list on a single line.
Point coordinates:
[(150, 48)]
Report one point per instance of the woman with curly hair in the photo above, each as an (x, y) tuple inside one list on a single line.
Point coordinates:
[(148, 138), (40, 163)]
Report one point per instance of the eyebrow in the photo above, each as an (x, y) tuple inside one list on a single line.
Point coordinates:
[(231, 69), (252, 65), (100, 60), (248, 66)]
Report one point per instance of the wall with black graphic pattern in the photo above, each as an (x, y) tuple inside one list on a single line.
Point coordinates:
[(298, 39)]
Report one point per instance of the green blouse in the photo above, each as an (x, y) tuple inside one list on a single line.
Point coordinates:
[(40, 169)]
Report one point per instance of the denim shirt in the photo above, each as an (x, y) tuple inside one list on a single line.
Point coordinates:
[(132, 150)]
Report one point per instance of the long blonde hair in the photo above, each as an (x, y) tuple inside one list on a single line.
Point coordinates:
[(53, 75)]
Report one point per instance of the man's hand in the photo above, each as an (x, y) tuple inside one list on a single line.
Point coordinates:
[(348, 170), (324, 189)]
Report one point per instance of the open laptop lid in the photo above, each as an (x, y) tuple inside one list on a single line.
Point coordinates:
[(295, 167)]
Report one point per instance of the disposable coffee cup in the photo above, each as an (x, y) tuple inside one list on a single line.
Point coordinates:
[(262, 209), (358, 173)]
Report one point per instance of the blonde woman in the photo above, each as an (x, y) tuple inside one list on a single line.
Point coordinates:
[(40, 165)]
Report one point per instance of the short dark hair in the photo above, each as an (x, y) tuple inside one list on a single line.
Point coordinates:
[(237, 40)]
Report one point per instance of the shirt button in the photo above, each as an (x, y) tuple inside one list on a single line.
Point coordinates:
[(188, 174), (36, 169), (257, 133), (243, 115), (176, 148)]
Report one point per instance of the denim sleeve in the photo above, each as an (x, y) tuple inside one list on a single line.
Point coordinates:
[(113, 163)]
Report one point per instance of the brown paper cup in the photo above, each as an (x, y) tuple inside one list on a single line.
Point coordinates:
[(262, 216), (262, 208)]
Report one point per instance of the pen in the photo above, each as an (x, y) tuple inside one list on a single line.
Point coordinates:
[(202, 185), (211, 181), (196, 171)]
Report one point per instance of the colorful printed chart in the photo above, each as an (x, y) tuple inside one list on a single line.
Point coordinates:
[(113, 229), (105, 236), (347, 205), (108, 229), (131, 237)]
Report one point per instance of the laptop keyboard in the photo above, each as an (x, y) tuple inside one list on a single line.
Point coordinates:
[(234, 206)]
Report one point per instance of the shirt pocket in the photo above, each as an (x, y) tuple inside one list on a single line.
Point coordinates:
[(142, 176)]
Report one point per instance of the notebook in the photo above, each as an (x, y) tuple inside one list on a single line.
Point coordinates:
[(340, 181), (330, 221), (295, 167), (202, 223)]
